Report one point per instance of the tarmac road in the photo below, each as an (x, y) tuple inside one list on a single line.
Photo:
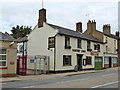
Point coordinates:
[(107, 79)]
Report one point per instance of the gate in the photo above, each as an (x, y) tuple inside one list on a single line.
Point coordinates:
[(22, 65)]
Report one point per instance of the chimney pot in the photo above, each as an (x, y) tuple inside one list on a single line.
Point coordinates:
[(117, 33)]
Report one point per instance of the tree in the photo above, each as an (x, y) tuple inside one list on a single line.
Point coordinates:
[(25, 30)]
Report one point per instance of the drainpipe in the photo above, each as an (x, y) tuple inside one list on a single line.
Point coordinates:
[(55, 54)]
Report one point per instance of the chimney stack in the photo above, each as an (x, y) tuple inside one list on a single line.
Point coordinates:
[(117, 33), (42, 17), (79, 27), (107, 29), (91, 26)]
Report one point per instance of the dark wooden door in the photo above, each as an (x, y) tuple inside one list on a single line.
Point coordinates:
[(79, 62)]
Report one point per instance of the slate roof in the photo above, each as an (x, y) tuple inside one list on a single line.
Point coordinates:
[(69, 32), (6, 37), (111, 35)]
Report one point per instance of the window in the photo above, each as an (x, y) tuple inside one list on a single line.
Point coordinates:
[(114, 49), (88, 44), (3, 57), (106, 40), (66, 60), (79, 43), (88, 61), (67, 43), (106, 60), (115, 43), (97, 47), (114, 60), (114, 46), (106, 49), (31, 60), (21, 48)]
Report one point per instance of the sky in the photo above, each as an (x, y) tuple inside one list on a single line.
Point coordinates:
[(65, 13)]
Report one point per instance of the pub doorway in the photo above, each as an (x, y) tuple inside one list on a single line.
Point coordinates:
[(110, 62), (79, 61)]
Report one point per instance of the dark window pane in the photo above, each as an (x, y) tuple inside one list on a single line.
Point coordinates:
[(88, 61), (88, 44), (2, 51), (79, 43), (3, 63), (66, 60), (67, 41), (2, 57)]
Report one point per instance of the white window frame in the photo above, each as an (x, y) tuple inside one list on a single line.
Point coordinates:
[(106, 60), (4, 60), (21, 50)]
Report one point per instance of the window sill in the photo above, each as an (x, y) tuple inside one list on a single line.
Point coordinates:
[(67, 47), (66, 65), (89, 65), (79, 48), (89, 50), (3, 67)]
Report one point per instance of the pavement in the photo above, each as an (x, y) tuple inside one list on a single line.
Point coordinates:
[(84, 79), (50, 76)]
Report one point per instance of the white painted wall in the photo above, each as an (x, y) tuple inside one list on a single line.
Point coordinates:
[(110, 44), (60, 51), (38, 43)]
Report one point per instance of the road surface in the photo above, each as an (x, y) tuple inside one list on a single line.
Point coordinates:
[(107, 79)]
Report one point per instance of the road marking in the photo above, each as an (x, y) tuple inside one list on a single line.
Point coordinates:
[(71, 80), (28, 87), (108, 74), (105, 84)]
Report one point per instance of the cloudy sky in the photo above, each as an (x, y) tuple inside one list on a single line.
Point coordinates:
[(59, 12)]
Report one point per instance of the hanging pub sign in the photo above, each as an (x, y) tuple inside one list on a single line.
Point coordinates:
[(51, 42), (94, 53)]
